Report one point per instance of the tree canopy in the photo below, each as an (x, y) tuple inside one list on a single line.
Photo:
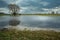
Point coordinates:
[(14, 8)]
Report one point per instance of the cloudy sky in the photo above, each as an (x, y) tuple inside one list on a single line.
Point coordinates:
[(32, 6)]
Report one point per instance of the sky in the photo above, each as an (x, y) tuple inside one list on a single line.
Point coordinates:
[(32, 6)]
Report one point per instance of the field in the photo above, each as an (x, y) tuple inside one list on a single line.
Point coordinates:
[(31, 14), (13, 34), (42, 14)]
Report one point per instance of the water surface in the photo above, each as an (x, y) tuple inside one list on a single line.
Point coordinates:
[(32, 21)]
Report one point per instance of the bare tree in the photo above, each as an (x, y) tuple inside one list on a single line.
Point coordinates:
[(53, 12), (14, 8)]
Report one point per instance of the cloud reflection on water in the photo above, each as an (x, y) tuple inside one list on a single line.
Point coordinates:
[(32, 21)]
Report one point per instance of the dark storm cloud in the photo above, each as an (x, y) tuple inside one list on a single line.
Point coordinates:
[(41, 3), (30, 6), (3, 4), (35, 3), (53, 3)]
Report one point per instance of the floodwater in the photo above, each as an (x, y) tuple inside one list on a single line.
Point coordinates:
[(31, 21)]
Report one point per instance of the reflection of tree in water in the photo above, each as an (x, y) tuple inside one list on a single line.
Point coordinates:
[(14, 9), (14, 22)]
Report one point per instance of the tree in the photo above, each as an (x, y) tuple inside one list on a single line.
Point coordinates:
[(53, 12), (56, 12), (14, 8)]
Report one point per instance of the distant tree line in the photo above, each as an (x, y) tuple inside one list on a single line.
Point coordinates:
[(1, 13), (54, 12)]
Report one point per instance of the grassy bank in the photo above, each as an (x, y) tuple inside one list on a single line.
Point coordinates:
[(42, 14), (28, 35), (4, 14), (31, 14)]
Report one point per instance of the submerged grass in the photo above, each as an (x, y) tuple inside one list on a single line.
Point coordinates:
[(13, 34)]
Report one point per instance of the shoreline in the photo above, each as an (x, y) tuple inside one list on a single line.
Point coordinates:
[(32, 28)]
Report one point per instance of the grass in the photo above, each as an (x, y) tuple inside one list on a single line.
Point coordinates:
[(4, 14), (43, 14), (32, 14), (13, 34)]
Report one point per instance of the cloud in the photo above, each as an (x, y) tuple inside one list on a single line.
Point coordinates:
[(12, 1), (3, 4), (18, 1), (34, 6), (39, 10), (44, 3), (56, 9), (5, 10)]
